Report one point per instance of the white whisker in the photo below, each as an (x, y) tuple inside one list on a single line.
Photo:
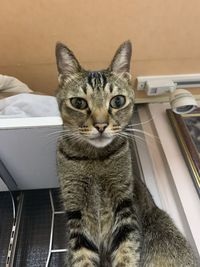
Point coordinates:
[(133, 136), (119, 76), (58, 132), (143, 132), (141, 123)]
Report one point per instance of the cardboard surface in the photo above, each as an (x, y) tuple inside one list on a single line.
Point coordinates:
[(165, 34)]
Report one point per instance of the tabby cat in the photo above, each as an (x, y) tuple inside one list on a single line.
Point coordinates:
[(112, 219)]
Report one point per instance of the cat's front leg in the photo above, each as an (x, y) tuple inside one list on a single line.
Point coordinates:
[(81, 212), (126, 235), (82, 250)]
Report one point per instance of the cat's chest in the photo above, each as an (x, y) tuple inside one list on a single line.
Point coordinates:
[(103, 171), (104, 205)]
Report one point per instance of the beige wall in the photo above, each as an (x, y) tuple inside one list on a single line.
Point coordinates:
[(165, 33)]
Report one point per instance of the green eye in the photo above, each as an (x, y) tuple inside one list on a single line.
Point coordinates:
[(78, 103), (118, 101)]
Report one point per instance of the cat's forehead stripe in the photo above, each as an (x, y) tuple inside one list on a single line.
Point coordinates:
[(111, 88), (96, 79), (84, 88)]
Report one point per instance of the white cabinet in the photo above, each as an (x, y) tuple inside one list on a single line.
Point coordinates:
[(28, 151)]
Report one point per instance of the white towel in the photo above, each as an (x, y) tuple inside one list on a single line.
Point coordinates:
[(24, 104), (28, 105), (12, 85)]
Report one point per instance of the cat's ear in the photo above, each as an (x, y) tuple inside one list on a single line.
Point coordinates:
[(67, 63), (122, 58)]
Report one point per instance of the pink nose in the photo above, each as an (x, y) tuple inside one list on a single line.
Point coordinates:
[(101, 127)]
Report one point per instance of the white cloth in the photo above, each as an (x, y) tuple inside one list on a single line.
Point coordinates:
[(28, 105), (12, 85), (24, 104)]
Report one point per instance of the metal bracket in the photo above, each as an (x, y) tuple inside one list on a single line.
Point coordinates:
[(14, 231)]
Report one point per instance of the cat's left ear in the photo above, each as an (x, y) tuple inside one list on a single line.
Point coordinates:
[(67, 63), (122, 58)]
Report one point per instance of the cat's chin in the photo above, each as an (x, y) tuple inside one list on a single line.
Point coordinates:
[(100, 142)]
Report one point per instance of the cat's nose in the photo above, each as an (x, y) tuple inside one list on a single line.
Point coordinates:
[(101, 126)]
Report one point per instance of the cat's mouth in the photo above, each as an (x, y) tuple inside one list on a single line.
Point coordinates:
[(100, 140)]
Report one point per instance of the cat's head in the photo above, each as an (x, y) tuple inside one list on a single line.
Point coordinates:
[(95, 105)]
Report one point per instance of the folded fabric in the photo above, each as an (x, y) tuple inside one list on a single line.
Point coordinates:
[(28, 105), (10, 84)]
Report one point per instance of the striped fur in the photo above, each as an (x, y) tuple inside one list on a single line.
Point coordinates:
[(112, 220)]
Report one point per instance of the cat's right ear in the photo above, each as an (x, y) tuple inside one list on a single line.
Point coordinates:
[(122, 58), (67, 63)]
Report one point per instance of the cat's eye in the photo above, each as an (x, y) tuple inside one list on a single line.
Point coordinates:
[(78, 103), (118, 101)]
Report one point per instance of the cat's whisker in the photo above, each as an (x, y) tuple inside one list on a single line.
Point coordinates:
[(121, 137), (84, 127), (58, 132), (140, 139), (141, 123), (69, 135), (76, 139), (133, 136), (115, 132), (122, 134), (56, 138), (64, 129), (143, 132), (86, 135), (119, 76), (69, 132), (85, 132)]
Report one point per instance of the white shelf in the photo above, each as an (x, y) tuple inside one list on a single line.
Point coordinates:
[(28, 151), (9, 123)]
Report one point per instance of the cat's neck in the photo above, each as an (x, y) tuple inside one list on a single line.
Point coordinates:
[(84, 150)]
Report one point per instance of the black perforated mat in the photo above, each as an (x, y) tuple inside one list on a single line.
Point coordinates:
[(35, 229)]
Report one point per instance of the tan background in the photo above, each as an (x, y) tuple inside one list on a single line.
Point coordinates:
[(165, 33)]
